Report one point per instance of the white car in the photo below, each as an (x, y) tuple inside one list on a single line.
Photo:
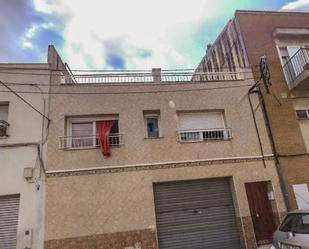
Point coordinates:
[(293, 233)]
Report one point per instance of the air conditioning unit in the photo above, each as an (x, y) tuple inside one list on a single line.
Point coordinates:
[(3, 128)]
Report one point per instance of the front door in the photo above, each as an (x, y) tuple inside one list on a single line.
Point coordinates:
[(261, 212)]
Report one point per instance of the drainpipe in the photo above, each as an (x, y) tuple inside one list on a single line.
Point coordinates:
[(273, 146), (250, 91)]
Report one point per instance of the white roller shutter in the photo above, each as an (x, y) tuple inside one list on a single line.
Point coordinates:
[(9, 207), (200, 120)]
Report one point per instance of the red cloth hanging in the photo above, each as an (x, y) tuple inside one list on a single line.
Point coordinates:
[(103, 130)]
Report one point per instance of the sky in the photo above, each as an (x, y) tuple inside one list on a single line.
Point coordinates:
[(120, 34)]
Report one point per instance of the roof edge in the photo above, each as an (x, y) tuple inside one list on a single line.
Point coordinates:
[(273, 12)]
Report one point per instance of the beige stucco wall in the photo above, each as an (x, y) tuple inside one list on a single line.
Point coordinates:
[(115, 202), (25, 127), (138, 150), (99, 202)]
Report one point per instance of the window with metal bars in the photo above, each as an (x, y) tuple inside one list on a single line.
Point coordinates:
[(302, 114)]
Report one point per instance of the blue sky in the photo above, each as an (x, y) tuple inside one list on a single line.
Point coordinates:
[(120, 34)]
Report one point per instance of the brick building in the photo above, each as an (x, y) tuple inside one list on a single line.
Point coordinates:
[(284, 38)]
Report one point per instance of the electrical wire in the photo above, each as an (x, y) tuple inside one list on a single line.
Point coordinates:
[(8, 68), (112, 72), (128, 92), (25, 101), (120, 83)]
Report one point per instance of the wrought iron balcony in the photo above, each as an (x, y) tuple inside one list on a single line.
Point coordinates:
[(87, 142), (296, 70), (204, 135)]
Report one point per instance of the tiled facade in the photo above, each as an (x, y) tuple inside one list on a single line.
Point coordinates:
[(142, 238)]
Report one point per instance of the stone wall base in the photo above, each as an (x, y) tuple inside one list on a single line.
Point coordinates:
[(141, 239)]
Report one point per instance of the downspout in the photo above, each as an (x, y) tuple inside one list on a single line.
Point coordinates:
[(250, 91), (273, 146)]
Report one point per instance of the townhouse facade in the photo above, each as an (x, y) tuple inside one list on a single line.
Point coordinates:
[(284, 39), (23, 134), (158, 159)]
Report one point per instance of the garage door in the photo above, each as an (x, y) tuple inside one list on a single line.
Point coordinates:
[(9, 206), (196, 214)]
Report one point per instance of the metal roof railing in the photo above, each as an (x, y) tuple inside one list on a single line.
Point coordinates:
[(154, 76)]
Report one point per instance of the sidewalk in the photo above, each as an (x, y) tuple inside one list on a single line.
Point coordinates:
[(264, 246)]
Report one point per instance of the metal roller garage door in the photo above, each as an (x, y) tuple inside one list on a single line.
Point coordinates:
[(197, 214), (9, 206)]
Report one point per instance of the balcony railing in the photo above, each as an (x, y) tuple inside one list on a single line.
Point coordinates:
[(204, 135), (296, 65), (167, 76), (4, 128), (82, 142)]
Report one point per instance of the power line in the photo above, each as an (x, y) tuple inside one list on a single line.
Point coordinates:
[(112, 70), (131, 92), (25, 101), (119, 83)]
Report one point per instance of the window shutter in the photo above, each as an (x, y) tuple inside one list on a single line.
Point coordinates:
[(201, 120), (9, 209)]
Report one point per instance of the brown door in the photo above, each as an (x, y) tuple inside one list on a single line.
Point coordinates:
[(261, 212)]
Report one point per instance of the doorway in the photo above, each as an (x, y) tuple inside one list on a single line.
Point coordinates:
[(261, 212)]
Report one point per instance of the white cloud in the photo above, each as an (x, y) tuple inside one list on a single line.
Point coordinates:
[(296, 5), (96, 32), (26, 39)]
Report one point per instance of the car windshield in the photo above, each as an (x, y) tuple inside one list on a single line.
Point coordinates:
[(296, 223)]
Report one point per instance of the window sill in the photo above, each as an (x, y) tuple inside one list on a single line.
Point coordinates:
[(88, 148), (204, 141), (151, 138), (4, 137)]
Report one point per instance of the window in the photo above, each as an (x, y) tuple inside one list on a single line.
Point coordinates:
[(84, 132), (296, 223), (152, 124), (202, 126), (302, 114), (4, 110)]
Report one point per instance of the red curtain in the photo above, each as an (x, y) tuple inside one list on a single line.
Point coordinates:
[(103, 130)]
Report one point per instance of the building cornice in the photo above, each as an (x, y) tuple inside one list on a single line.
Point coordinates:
[(153, 166)]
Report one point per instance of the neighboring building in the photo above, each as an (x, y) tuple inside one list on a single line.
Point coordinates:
[(23, 133), (158, 160), (284, 38)]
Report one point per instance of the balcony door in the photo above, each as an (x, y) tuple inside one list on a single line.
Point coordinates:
[(295, 60)]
